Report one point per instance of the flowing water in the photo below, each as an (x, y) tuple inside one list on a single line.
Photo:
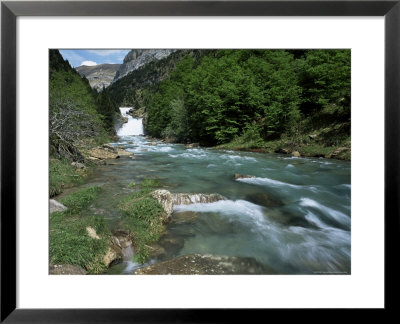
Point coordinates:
[(293, 216), (134, 126)]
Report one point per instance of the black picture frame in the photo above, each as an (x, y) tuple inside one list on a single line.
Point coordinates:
[(10, 10)]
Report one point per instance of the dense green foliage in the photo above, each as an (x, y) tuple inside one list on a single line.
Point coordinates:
[(69, 239), (136, 88), (246, 95), (77, 112), (143, 217)]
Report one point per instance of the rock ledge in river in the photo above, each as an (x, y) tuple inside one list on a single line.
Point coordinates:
[(168, 199), (207, 264), (242, 176)]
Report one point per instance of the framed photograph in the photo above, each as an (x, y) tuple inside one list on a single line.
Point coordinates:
[(201, 158)]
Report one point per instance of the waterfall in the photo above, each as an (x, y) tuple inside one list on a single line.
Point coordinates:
[(134, 126)]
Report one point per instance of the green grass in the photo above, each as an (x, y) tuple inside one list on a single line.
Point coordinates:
[(62, 175), (71, 244), (143, 217), (69, 240), (150, 183), (81, 198)]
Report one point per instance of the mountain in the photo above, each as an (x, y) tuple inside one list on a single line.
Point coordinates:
[(139, 57), (99, 76), (135, 88)]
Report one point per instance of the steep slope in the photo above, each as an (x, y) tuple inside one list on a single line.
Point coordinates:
[(99, 76), (139, 57), (137, 87)]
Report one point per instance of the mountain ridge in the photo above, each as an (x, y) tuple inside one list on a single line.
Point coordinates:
[(137, 58), (100, 75)]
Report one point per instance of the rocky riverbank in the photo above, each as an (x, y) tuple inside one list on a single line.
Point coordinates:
[(197, 264)]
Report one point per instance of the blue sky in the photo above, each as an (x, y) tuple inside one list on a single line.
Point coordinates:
[(93, 56)]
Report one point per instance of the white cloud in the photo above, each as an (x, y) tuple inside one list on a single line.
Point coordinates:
[(72, 57), (88, 63), (104, 52)]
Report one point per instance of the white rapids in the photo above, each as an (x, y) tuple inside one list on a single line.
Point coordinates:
[(134, 126)]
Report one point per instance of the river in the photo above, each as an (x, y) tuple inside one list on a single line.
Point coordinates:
[(293, 216)]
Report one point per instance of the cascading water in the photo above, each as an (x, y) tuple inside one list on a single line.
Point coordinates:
[(134, 126), (293, 215)]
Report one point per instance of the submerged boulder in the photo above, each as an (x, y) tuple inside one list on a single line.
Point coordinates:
[(207, 264), (264, 199), (121, 152)]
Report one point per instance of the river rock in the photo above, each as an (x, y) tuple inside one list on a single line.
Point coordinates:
[(187, 199), (168, 200), (207, 264), (103, 153), (92, 233), (124, 153), (282, 150), (78, 165), (264, 199), (109, 147), (172, 244), (66, 269), (114, 254), (123, 240), (296, 154), (96, 160), (157, 252), (185, 217), (56, 206), (164, 197), (192, 145), (338, 151), (242, 176)]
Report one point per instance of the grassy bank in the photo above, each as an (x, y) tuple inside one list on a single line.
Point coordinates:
[(70, 242), (143, 217), (62, 175), (317, 137)]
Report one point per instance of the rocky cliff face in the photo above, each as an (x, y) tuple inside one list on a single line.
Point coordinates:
[(139, 57), (99, 75)]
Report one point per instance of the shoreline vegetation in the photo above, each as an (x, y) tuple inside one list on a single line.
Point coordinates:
[(273, 101), (216, 99)]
